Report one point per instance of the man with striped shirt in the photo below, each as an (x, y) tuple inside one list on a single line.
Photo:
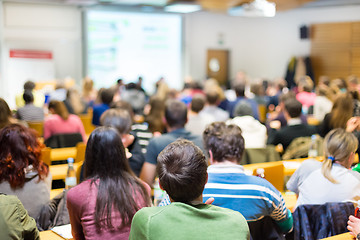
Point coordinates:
[(254, 197)]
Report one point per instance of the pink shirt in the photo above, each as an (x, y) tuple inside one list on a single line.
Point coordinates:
[(54, 124), (307, 99), (81, 201)]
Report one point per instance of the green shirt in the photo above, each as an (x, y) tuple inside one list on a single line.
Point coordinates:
[(179, 221)]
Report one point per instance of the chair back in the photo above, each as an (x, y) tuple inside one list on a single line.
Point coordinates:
[(80, 152), (274, 173), (37, 126), (262, 113), (260, 155), (63, 140), (45, 155), (86, 121)]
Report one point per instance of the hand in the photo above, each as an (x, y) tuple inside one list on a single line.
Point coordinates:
[(275, 124), (127, 139), (210, 201), (354, 225)]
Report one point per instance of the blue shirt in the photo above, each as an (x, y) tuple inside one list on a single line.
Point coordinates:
[(97, 111), (157, 144)]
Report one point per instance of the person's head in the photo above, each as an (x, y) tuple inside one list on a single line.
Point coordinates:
[(119, 119), (175, 113), (224, 142), (257, 89), (243, 108), (212, 97), (239, 89), (157, 106), (29, 85), (106, 165), (305, 84), (107, 96), (197, 103), (292, 108), (339, 147), (182, 171), (342, 111), (5, 113), (20, 149), (59, 108), (28, 97)]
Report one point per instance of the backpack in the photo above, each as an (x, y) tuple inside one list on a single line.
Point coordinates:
[(299, 147)]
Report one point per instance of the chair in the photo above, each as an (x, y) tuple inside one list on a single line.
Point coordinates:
[(320, 221), (86, 121), (262, 113), (63, 140), (259, 155), (45, 155), (37, 126), (265, 229), (274, 173)]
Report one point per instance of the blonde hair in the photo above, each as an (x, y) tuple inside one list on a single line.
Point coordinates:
[(339, 145)]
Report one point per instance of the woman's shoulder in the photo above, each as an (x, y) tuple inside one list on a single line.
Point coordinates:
[(81, 191)]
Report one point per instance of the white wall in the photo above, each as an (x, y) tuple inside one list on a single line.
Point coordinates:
[(52, 28), (261, 47)]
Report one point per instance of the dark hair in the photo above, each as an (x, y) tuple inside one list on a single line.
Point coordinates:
[(224, 141), (212, 97), (123, 105), (29, 85), (20, 148), (118, 188), (182, 170), (156, 114), (117, 118), (197, 103), (107, 96), (28, 96), (5, 113), (293, 107), (175, 113), (239, 89), (59, 108)]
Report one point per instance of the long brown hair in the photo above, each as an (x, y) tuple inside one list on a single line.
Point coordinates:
[(20, 148), (156, 115), (342, 111), (59, 108), (338, 145), (118, 187), (5, 113)]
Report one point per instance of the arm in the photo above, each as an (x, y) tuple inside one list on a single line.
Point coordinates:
[(74, 209), (28, 223), (148, 173), (354, 226)]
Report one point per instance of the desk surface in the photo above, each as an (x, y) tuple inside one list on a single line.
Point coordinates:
[(344, 236), (50, 235)]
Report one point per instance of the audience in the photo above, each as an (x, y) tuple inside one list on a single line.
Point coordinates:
[(15, 221), (253, 131), (341, 112), (322, 103), (197, 122), (30, 112), (61, 122), (22, 173), (39, 98), (294, 129), (211, 106), (135, 97), (305, 96), (175, 117), (106, 96), (182, 174), (120, 120), (252, 196), (102, 206), (240, 96), (331, 180)]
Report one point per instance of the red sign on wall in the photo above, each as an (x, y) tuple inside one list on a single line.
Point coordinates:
[(30, 54)]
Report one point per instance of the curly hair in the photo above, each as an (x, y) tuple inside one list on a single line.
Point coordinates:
[(224, 141), (20, 148)]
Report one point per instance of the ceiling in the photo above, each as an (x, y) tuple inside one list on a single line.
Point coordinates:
[(209, 5)]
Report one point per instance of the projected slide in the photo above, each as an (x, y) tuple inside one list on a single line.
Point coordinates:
[(129, 45)]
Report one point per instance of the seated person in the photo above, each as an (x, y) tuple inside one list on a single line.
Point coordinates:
[(106, 97), (61, 122), (120, 120), (176, 118), (15, 223), (182, 174), (252, 196), (102, 206), (331, 180), (22, 172), (30, 112), (294, 129)]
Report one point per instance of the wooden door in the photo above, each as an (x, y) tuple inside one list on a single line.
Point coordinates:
[(217, 65)]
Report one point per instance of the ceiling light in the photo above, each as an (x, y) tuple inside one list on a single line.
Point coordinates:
[(257, 8), (182, 7)]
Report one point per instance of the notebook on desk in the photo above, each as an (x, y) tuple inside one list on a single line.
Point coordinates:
[(64, 231)]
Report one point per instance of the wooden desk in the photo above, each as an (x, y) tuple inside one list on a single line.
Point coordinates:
[(62, 153), (344, 236), (50, 235)]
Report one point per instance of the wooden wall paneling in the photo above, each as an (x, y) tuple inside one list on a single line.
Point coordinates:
[(355, 61), (332, 33)]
